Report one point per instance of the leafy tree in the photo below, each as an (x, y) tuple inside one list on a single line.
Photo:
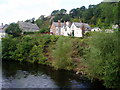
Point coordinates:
[(62, 54), (66, 18), (103, 60), (63, 11), (23, 48), (73, 12), (36, 55), (83, 8), (9, 46), (43, 30), (13, 29), (55, 12)]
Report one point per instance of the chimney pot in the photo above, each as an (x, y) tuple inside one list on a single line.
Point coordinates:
[(2, 24)]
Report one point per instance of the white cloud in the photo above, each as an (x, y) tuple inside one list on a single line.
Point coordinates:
[(14, 10)]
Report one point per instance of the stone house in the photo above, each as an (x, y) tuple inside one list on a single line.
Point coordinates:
[(67, 29), (55, 28), (28, 27)]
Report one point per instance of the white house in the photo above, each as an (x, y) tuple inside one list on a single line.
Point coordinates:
[(115, 26), (78, 29), (57, 28), (2, 31), (67, 29), (96, 29)]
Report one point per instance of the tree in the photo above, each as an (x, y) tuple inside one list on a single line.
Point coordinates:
[(73, 12), (103, 59), (55, 12), (63, 11), (62, 54), (13, 29), (83, 8)]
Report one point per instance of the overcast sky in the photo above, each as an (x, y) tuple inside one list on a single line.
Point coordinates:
[(18, 10)]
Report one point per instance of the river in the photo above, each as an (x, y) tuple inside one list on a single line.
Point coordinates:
[(17, 75)]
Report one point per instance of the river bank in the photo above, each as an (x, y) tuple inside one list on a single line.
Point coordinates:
[(43, 76), (86, 56)]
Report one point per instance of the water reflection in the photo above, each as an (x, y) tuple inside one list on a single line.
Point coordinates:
[(16, 75)]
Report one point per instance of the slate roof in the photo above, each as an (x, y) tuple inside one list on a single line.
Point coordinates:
[(56, 24), (28, 26), (79, 25), (62, 24)]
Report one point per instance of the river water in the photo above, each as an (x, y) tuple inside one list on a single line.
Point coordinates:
[(17, 75)]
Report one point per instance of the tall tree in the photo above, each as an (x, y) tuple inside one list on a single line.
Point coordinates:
[(13, 29), (73, 12), (55, 12), (63, 11)]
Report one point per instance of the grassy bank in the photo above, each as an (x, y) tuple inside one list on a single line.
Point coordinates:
[(96, 56)]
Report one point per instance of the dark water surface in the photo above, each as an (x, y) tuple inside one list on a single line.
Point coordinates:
[(16, 75)]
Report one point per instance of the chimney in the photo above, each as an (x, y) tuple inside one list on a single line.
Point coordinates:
[(64, 23), (67, 23), (59, 23), (2, 24)]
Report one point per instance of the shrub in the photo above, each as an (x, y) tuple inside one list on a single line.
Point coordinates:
[(23, 48), (62, 54), (45, 29), (103, 59), (9, 46), (13, 29), (54, 38), (36, 55), (28, 33)]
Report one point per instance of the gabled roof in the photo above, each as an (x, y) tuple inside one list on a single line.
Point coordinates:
[(79, 25), (56, 24), (27, 25), (61, 24)]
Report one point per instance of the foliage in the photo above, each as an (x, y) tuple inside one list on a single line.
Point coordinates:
[(28, 33), (36, 55), (23, 48), (103, 14), (9, 46), (99, 52), (55, 12), (102, 58), (13, 29), (43, 24), (62, 54), (44, 30), (26, 48)]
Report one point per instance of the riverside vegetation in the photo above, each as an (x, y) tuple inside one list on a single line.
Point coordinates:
[(96, 56)]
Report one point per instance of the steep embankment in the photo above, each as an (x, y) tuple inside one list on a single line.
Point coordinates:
[(97, 56)]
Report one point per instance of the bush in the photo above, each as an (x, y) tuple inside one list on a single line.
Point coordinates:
[(54, 38), (43, 30), (13, 29), (23, 48), (28, 33), (9, 46), (36, 55), (62, 54), (103, 59)]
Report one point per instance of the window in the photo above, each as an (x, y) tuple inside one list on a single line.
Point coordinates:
[(65, 29)]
